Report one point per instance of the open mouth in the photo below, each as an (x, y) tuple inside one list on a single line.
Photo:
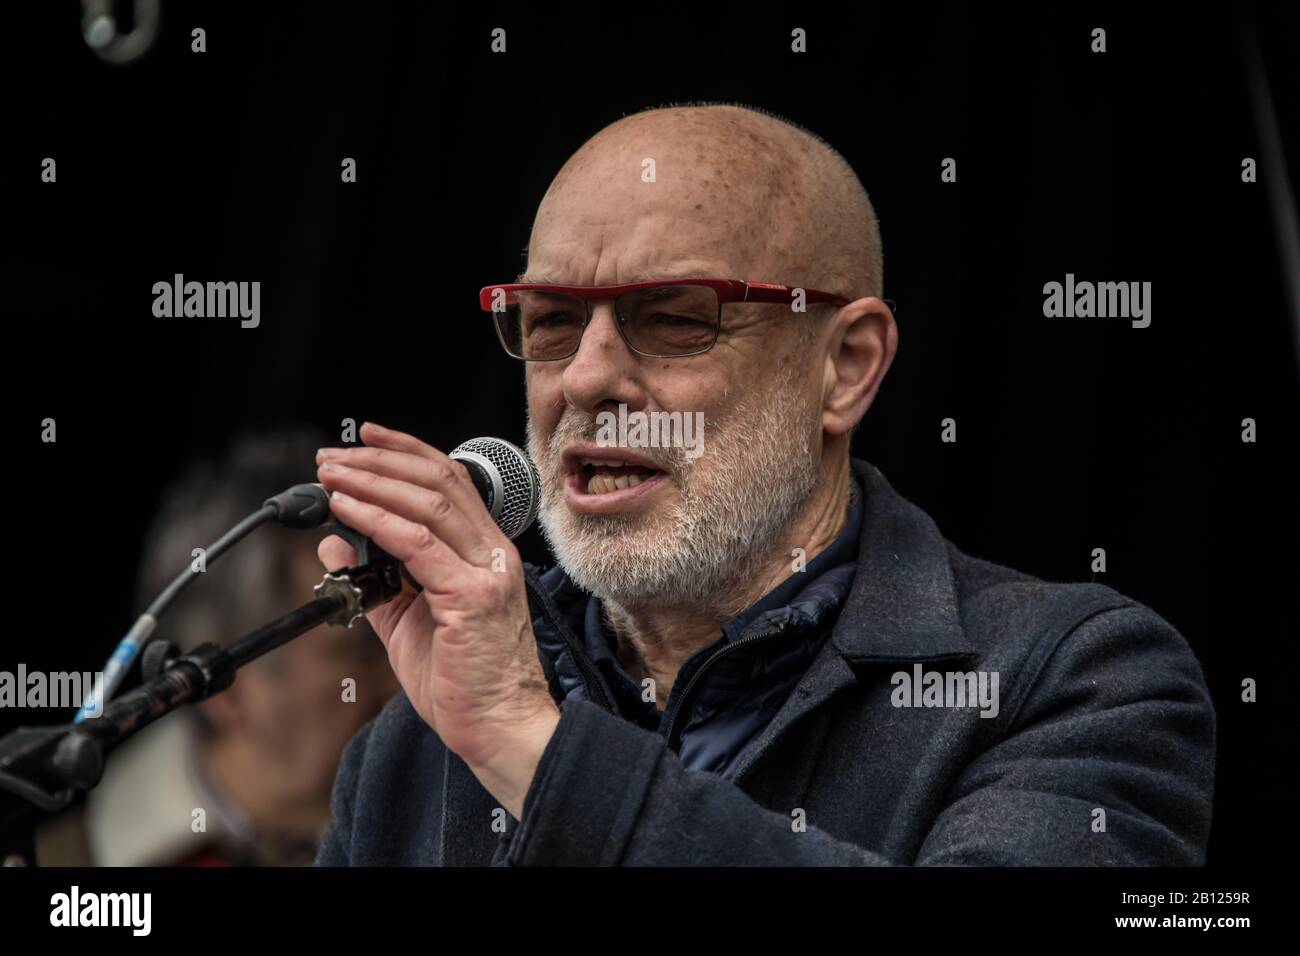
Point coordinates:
[(599, 479)]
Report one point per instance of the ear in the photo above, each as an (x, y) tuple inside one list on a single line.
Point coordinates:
[(863, 338)]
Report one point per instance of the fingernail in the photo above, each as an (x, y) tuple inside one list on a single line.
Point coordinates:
[(330, 453), (333, 467), (339, 496)]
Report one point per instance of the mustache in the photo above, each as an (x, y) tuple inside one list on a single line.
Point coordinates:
[(577, 428)]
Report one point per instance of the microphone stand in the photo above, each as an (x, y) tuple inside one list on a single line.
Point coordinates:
[(43, 768)]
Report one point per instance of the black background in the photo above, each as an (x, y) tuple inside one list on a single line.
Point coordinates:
[(1072, 434)]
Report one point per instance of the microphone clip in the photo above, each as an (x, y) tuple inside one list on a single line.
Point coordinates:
[(375, 579)]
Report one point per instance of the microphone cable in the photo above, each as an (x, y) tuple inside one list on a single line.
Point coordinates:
[(301, 506)]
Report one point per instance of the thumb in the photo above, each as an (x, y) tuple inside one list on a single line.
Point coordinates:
[(336, 553)]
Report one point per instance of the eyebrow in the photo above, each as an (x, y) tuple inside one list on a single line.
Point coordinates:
[(524, 278)]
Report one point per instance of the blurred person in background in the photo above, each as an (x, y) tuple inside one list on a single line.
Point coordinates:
[(259, 758)]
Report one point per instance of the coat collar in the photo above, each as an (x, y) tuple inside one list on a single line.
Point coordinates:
[(903, 603), (902, 607)]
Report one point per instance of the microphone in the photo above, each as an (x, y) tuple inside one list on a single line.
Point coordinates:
[(502, 474), (505, 478)]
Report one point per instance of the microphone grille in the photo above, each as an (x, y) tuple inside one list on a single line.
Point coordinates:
[(517, 488)]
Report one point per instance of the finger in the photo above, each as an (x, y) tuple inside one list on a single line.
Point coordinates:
[(383, 618), (423, 506), (427, 557), (336, 553), (377, 436), (439, 474)]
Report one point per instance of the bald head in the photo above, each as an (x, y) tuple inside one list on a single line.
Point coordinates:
[(730, 185)]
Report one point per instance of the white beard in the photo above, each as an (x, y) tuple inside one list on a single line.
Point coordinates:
[(759, 470)]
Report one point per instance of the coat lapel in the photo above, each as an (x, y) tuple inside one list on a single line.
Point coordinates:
[(902, 607)]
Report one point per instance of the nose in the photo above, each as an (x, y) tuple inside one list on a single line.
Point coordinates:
[(604, 371)]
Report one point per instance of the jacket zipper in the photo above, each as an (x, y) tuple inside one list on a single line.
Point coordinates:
[(594, 689), (695, 678)]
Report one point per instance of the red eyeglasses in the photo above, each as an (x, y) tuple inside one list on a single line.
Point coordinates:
[(661, 318)]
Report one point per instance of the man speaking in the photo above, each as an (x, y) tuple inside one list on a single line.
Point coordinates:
[(756, 651)]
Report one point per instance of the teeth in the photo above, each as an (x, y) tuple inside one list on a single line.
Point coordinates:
[(603, 484)]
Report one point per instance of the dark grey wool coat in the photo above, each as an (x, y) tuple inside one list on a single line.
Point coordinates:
[(1102, 750)]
